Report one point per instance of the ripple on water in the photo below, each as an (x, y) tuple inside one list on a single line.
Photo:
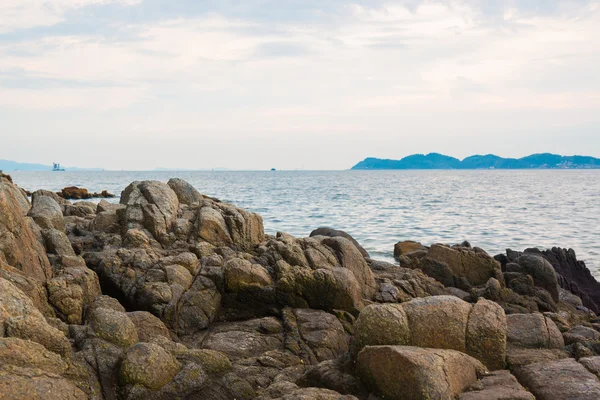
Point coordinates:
[(494, 210)]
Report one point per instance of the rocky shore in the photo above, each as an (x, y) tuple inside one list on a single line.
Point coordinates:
[(175, 295)]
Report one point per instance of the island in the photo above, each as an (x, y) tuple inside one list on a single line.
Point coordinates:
[(489, 161)]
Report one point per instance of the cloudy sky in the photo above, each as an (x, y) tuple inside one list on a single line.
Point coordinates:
[(255, 84)]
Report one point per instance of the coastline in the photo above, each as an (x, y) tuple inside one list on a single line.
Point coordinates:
[(171, 293)]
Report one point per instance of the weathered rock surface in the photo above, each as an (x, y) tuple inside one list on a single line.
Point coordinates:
[(442, 322), (20, 245), (406, 373), (559, 380), (498, 385), (533, 331)]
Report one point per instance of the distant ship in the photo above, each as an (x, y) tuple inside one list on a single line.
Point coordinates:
[(273, 169), (56, 167)]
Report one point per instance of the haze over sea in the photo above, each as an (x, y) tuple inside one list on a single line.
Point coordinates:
[(492, 209)]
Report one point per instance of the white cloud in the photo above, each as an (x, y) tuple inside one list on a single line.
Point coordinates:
[(375, 75), (23, 14)]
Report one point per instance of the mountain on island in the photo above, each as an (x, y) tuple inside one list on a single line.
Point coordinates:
[(9, 166), (489, 161)]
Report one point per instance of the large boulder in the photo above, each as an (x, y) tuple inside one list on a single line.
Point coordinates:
[(539, 269), (330, 232), (185, 192), (465, 266), (18, 383), (46, 212), (443, 322), (148, 365), (414, 373), (564, 379), (20, 246), (533, 331)]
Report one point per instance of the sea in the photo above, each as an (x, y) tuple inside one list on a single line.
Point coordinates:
[(492, 209)]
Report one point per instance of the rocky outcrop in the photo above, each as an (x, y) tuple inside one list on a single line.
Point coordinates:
[(458, 266), (330, 232), (76, 193), (20, 241), (571, 274), (442, 322), (173, 294)]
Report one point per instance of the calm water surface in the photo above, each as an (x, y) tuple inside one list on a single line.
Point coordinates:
[(494, 210)]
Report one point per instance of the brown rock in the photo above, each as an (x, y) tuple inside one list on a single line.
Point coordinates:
[(486, 334), (406, 247), (19, 245), (18, 383), (498, 385), (559, 380), (533, 331), (407, 373)]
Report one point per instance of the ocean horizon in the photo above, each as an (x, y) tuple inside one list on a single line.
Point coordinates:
[(492, 209)]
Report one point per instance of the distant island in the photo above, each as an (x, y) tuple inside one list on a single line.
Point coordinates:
[(9, 166), (490, 161)]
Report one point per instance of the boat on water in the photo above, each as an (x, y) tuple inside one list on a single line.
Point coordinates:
[(56, 168)]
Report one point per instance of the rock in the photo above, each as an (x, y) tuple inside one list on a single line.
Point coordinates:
[(113, 326), (559, 380), (46, 212), (438, 322), (399, 372), (533, 331), (212, 227), (325, 289), (399, 284), (381, 324), (476, 267), (213, 362), (82, 209), (104, 206), (33, 288), (592, 364), (333, 375), (572, 274), (148, 365), (329, 232), (106, 221), (486, 334), (518, 357), (185, 192), (539, 269), (197, 308), (32, 327), (580, 334), (407, 247), (322, 332), (19, 244), (35, 384), (72, 291), (57, 242), (245, 339), (148, 326), (443, 322), (498, 385), (74, 193), (28, 354), (313, 394), (242, 275), (145, 195)]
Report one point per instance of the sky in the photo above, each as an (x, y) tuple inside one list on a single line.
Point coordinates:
[(295, 84)]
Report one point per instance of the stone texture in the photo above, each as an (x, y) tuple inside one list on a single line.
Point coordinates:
[(148, 365), (498, 385), (559, 380), (533, 331), (407, 373), (20, 246)]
